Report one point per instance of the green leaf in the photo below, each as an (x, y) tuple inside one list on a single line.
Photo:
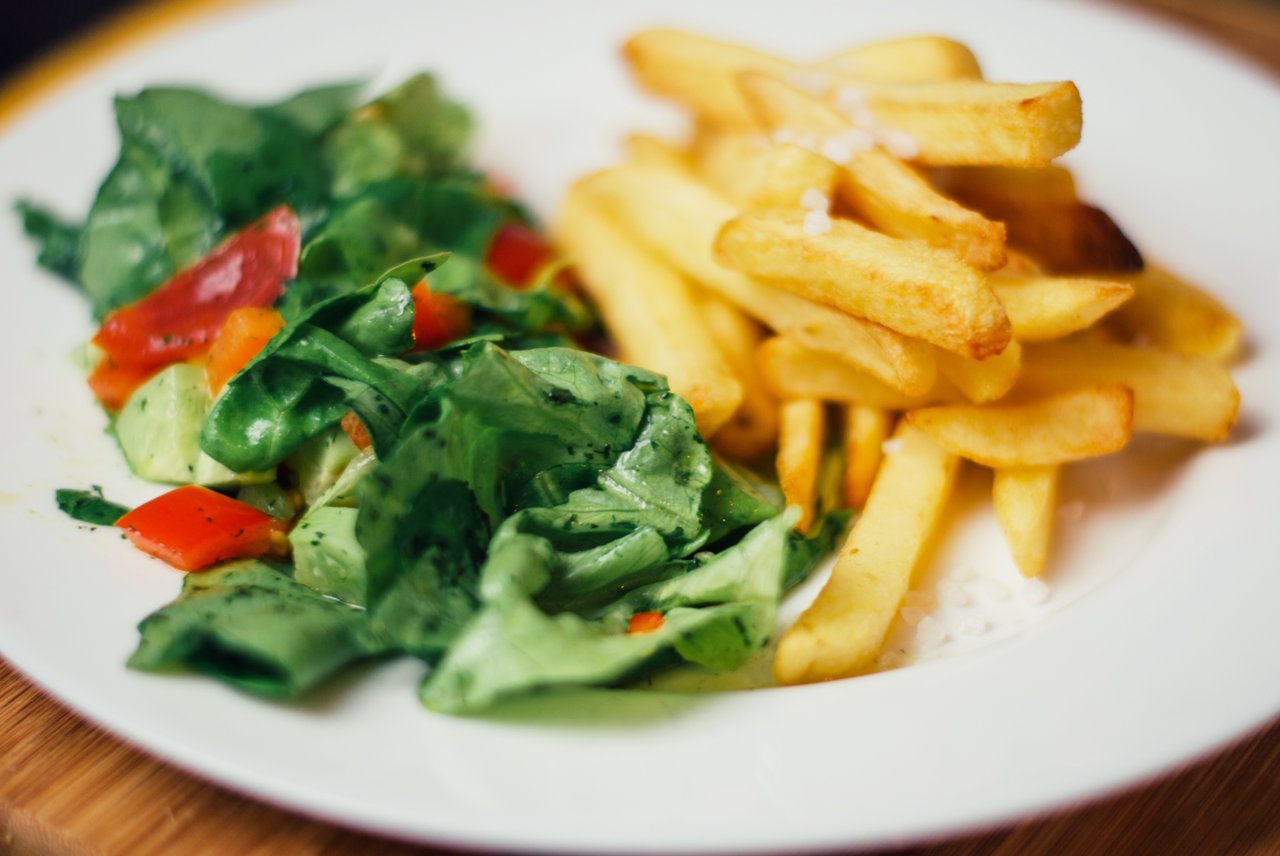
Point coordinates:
[(316, 369), (252, 626), (89, 506), (58, 240), (715, 615)]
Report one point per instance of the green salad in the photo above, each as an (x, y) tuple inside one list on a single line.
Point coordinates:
[(405, 447)]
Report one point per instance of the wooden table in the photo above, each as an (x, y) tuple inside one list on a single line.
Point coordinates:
[(67, 788)]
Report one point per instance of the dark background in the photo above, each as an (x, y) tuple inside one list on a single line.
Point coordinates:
[(33, 26)]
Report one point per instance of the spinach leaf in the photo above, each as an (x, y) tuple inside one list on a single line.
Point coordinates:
[(806, 553), (338, 356), (58, 240), (401, 217), (254, 627), (192, 168), (89, 506), (412, 130)]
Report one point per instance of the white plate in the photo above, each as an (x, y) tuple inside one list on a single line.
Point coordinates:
[(1160, 642)]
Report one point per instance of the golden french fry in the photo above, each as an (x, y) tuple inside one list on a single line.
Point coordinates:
[(650, 310), (1025, 501), (974, 123), (1019, 263), (1172, 394), (1173, 315), (755, 174), (753, 428), (1052, 183), (1068, 426), (865, 430), (699, 72), (879, 187), (678, 218), (1043, 216), (792, 370), (915, 59), (646, 148), (843, 629), (1043, 307), (982, 380), (801, 435), (917, 290), (731, 163), (789, 175)]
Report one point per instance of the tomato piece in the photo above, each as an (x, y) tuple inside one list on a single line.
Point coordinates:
[(438, 319), (194, 528), (112, 383), (517, 253), (245, 332), (355, 430), (645, 622), (180, 319)]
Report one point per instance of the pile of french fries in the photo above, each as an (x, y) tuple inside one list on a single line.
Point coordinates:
[(881, 236)]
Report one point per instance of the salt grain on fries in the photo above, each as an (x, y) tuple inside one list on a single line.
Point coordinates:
[(882, 229)]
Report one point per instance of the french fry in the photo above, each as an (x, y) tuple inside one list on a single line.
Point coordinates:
[(865, 430), (1042, 308), (678, 218), (1171, 314), (699, 72), (843, 629), (757, 175), (791, 370), (915, 59), (789, 172), (917, 290), (965, 122), (753, 429), (878, 186), (1019, 263), (650, 310), (1052, 183), (1173, 394), (1043, 216), (801, 435), (1068, 426), (731, 163), (1025, 501), (982, 380), (646, 148)]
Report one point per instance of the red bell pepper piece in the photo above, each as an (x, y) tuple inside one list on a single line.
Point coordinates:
[(355, 430), (179, 320), (194, 528), (112, 384), (438, 319), (245, 333), (645, 622), (517, 253)]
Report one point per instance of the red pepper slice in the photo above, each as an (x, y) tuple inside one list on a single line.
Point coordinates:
[(438, 319), (517, 253), (355, 430), (180, 319), (112, 384), (194, 528), (645, 622)]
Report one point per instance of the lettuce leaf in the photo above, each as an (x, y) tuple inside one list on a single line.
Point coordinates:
[(252, 626)]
